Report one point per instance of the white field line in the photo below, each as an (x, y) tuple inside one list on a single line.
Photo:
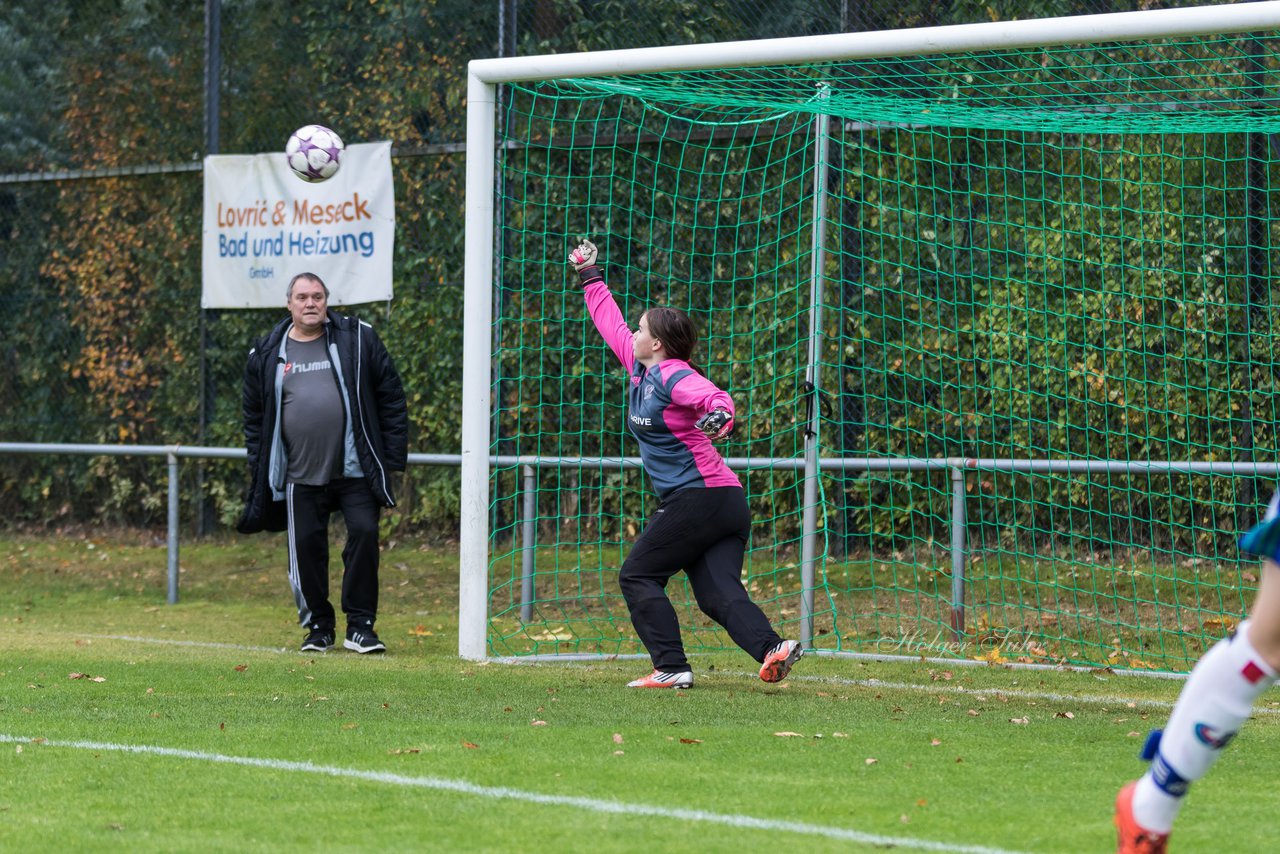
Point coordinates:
[(985, 694), (980, 694), (502, 792), (173, 642)]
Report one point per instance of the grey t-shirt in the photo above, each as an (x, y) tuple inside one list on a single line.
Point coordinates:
[(312, 417)]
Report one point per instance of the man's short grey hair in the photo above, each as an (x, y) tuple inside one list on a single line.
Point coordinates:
[(288, 292)]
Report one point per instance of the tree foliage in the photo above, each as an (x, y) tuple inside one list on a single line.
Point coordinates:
[(1004, 334)]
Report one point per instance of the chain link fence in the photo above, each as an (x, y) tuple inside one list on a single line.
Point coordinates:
[(107, 110)]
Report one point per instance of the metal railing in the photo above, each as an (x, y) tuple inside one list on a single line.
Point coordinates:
[(172, 453), (958, 467)]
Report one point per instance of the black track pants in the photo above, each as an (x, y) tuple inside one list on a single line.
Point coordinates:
[(703, 532), (309, 508)]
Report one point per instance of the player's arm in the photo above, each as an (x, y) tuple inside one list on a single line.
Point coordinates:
[(601, 305), (701, 395), (393, 409), (1263, 539), (251, 405)]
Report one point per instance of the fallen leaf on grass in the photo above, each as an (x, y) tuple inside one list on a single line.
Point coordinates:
[(240, 668), (870, 760), (399, 751), (469, 746), (1117, 657), (991, 656), (420, 631), (537, 723), (617, 738), (934, 742), (1068, 715), (1219, 624), (788, 734), (691, 741), (1019, 720)]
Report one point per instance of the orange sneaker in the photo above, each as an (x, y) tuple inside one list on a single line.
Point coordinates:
[(663, 679), (778, 661), (1133, 838)]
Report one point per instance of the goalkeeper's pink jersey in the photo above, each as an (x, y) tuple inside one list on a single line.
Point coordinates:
[(663, 402)]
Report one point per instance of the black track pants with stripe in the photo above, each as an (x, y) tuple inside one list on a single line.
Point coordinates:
[(309, 509)]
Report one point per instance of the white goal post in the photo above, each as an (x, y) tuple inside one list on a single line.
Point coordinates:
[(486, 75)]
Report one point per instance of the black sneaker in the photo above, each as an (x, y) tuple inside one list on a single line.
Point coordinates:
[(317, 640), (364, 640)]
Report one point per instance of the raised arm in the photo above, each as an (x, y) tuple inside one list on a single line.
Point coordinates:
[(601, 305)]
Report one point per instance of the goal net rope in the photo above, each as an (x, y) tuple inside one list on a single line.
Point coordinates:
[(1018, 303)]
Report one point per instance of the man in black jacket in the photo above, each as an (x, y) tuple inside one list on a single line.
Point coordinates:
[(325, 423)]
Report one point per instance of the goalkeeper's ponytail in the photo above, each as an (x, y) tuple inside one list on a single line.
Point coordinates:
[(676, 331)]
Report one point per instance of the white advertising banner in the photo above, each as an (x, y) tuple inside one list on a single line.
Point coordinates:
[(263, 225)]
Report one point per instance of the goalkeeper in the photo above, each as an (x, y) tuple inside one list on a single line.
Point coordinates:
[(1214, 704), (702, 520)]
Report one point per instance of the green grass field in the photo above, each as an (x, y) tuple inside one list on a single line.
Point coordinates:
[(129, 724)]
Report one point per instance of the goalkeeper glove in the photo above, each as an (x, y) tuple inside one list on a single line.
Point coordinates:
[(717, 424), (583, 260), (1263, 539), (584, 256)]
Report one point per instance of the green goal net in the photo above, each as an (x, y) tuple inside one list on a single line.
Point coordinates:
[(999, 327)]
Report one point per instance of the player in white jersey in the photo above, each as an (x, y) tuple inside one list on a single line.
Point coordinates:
[(1215, 702)]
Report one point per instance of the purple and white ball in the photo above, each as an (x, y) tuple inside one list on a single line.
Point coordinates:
[(314, 153)]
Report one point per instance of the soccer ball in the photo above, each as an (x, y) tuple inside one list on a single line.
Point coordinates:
[(314, 153)]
